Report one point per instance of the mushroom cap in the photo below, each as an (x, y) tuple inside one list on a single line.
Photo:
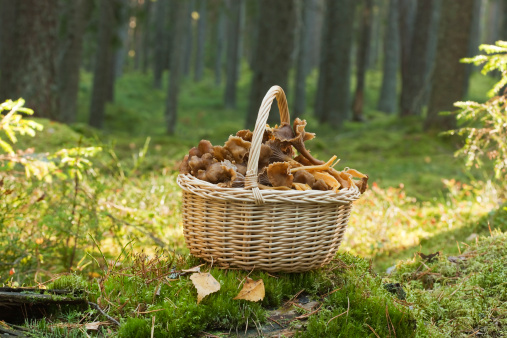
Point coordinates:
[(194, 152), (201, 174), (265, 155), (241, 168), (299, 129), (283, 133), (263, 176), (197, 163), (303, 160), (245, 134), (221, 154), (279, 174), (205, 147), (218, 172), (303, 176), (184, 167), (237, 147), (320, 185)]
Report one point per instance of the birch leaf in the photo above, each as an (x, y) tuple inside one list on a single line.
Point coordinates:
[(205, 284), (253, 290)]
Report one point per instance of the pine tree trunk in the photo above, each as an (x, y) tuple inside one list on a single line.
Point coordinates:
[(189, 42), (28, 34), (362, 59), (316, 18), (473, 46), (233, 37), (387, 100), (122, 30), (220, 35), (449, 74), (181, 9), (159, 55), (406, 15), (413, 77), (376, 32), (333, 94), (101, 91), (201, 39), (303, 63), (272, 55), (146, 37), (70, 58)]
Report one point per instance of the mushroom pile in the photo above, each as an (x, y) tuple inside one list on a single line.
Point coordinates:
[(284, 162)]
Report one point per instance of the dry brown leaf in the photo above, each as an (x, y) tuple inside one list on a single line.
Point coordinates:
[(94, 326), (253, 290), (205, 284), (194, 269)]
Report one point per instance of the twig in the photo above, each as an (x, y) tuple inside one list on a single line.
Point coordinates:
[(144, 312), (309, 314), (274, 320), (152, 326), (376, 334), (341, 314), (95, 306)]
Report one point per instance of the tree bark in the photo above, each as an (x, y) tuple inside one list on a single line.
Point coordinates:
[(220, 36), (70, 58), (28, 34), (181, 9), (102, 73), (233, 37), (201, 39), (414, 75), (333, 94), (473, 46), (122, 30), (362, 59), (159, 55), (406, 10), (303, 62), (449, 74), (146, 37), (272, 55), (189, 42), (388, 92)]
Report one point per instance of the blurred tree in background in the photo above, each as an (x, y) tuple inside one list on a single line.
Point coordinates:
[(44, 46)]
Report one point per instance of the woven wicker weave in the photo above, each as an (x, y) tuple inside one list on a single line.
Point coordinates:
[(270, 230)]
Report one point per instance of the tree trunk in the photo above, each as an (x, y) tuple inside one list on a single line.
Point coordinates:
[(406, 10), (378, 14), (122, 30), (28, 34), (414, 75), (181, 9), (272, 55), (189, 42), (473, 46), (159, 57), (102, 74), (333, 94), (303, 63), (70, 58), (362, 59), (316, 18), (233, 37), (146, 37), (387, 100), (449, 74), (201, 39), (220, 43)]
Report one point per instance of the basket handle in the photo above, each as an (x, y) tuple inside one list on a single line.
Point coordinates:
[(260, 125)]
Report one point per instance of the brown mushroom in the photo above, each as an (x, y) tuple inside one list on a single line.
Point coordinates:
[(221, 154), (303, 160), (245, 134), (278, 155), (197, 163), (296, 138), (184, 167), (194, 152), (201, 174), (205, 147), (304, 177), (362, 185), (237, 147), (330, 181), (241, 168), (320, 185), (263, 176), (279, 174), (265, 155), (218, 172)]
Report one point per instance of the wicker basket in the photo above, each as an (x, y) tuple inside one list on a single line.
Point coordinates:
[(270, 230)]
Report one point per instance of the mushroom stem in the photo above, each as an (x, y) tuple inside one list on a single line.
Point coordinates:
[(324, 166), (300, 147)]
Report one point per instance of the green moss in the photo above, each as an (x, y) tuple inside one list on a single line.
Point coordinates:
[(135, 328)]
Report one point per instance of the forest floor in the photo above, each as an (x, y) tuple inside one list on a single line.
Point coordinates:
[(117, 230)]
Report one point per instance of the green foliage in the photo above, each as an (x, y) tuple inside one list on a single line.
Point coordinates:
[(484, 125)]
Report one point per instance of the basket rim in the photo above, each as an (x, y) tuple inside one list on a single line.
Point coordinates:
[(192, 184)]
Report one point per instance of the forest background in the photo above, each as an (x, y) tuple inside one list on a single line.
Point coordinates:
[(123, 88)]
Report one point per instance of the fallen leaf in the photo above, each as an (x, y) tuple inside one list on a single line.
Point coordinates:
[(194, 269), (253, 290), (93, 326), (12, 271), (205, 284)]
